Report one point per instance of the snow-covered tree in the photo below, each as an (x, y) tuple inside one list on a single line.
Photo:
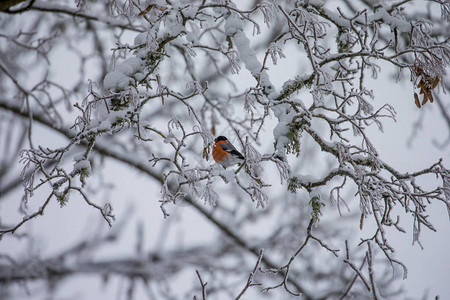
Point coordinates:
[(295, 85)]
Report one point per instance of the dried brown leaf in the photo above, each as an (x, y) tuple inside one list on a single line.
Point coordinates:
[(361, 221), (421, 84), (149, 8), (435, 83), (416, 100), (425, 98), (206, 153)]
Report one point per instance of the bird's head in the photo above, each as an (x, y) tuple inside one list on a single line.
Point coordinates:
[(220, 138)]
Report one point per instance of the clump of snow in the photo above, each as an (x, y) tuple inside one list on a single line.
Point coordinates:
[(124, 74), (281, 130), (226, 174), (233, 25), (116, 80), (314, 193), (139, 76), (78, 157), (81, 165), (234, 29), (130, 66)]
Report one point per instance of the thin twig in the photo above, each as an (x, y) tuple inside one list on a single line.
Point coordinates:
[(251, 276), (203, 285)]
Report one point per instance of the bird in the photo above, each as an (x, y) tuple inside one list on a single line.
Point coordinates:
[(224, 153)]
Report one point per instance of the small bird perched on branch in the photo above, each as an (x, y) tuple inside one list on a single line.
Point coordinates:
[(225, 153)]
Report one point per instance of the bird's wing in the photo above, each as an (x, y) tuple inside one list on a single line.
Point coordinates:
[(231, 149)]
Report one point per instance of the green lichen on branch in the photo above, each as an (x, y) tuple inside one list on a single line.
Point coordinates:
[(295, 85), (62, 197), (294, 136), (296, 128), (316, 205), (293, 185)]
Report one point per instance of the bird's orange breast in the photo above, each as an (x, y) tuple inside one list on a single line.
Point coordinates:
[(218, 153)]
